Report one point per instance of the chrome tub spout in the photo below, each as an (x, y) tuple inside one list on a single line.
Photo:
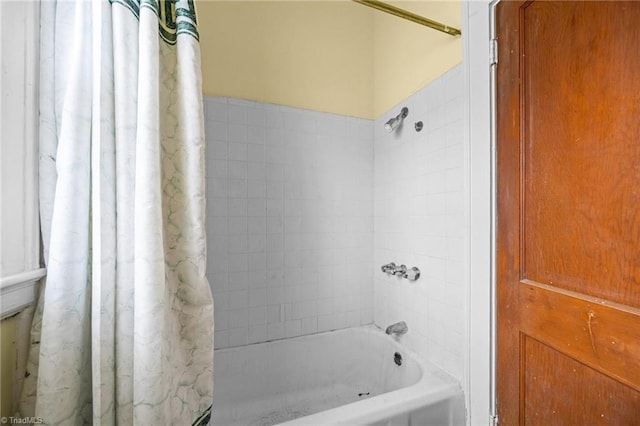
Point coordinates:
[(397, 329)]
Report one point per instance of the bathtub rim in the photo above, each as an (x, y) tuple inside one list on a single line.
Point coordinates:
[(383, 406)]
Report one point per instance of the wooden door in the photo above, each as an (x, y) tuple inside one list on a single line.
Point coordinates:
[(568, 213)]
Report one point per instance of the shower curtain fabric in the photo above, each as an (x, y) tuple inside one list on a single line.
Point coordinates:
[(123, 332)]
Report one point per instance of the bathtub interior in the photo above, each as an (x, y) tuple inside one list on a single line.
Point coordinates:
[(274, 382)]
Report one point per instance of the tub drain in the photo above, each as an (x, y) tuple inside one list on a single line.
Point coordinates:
[(397, 358)]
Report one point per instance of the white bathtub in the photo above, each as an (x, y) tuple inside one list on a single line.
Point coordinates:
[(344, 377)]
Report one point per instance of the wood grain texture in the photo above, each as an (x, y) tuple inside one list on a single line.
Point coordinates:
[(581, 64), (572, 393), (568, 222), (508, 366), (600, 334), (508, 214)]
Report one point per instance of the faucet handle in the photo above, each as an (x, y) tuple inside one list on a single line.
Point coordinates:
[(413, 274), (389, 268), (401, 271)]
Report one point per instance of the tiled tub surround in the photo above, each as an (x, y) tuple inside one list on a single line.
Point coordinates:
[(289, 216), (301, 218), (420, 219)]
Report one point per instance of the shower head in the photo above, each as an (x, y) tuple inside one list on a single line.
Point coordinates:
[(394, 122)]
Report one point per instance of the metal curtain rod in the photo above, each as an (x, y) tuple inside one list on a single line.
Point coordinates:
[(405, 14)]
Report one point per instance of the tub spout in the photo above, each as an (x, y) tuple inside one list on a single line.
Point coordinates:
[(397, 329)]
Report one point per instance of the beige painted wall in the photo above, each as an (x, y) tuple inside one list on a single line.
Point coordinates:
[(315, 55), (7, 365), (408, 56), (333, 56)]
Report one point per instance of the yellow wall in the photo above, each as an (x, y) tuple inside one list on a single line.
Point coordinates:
[(315, 55), (408, 56), (335, 56), (7, 365)]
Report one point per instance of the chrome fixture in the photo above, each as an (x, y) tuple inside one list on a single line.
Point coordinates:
[(412, 274), (389, 268), (398, 329), (397, 358), (394, 122), (401, 271), (418, 126)]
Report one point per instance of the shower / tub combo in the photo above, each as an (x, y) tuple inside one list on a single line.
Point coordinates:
[(294, 199), (302, 206)]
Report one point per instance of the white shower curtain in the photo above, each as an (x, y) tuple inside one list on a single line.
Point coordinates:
[(123, 333)]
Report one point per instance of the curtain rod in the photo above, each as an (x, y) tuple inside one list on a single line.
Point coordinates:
[(401, 13)]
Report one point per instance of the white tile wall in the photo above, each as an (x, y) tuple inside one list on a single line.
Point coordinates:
[(420, 219), (290, 220), (303, 208)]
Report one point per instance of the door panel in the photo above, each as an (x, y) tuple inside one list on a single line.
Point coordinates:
[(568, 219), (582, 395), (582, 108), (599, 334)]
